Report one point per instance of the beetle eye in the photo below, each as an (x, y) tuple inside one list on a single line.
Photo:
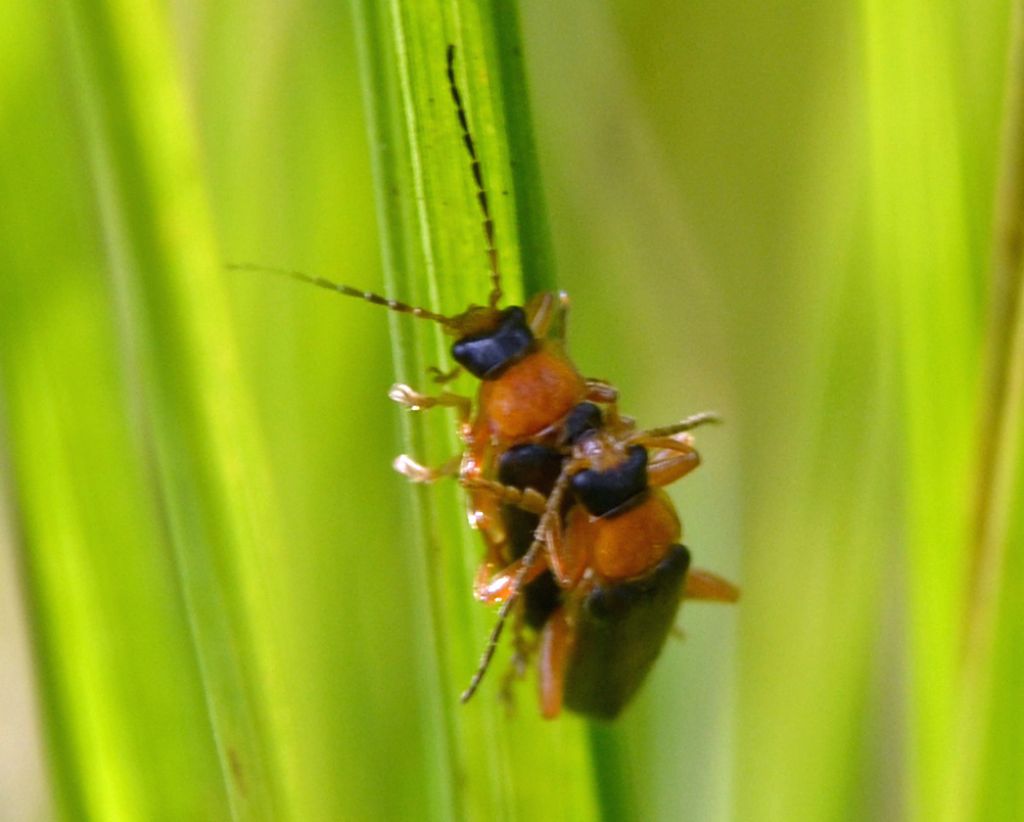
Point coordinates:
[(486, 355), (602, 492)]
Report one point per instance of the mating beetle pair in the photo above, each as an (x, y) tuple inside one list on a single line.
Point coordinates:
[(566, 492)]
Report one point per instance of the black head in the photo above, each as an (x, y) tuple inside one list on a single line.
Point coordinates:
[(530, 466), (486, 354), (584, 419), (603, 492)]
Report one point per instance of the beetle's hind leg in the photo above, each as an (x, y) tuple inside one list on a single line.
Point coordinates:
[(523, 649), (555, 645), (548, 315), (709, 587)]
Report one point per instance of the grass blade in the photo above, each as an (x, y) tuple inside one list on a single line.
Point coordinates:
[(435, 253)]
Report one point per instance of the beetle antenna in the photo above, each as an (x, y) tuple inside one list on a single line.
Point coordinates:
[(553, 509), (687, 424), (478, 178), (495, 635), (348, 291)]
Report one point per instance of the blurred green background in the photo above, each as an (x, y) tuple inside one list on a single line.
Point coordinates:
[(219, 601)]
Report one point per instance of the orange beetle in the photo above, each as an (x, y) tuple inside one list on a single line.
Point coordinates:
[(610, 538), (628, 554), (527, 382)]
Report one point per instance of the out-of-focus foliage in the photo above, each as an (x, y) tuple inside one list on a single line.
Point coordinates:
[(785, 212)]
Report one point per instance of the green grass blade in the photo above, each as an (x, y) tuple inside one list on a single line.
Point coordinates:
[(435, 254), (780, 211), (193, 421), (924, 248), (127, 725), (988, 732)]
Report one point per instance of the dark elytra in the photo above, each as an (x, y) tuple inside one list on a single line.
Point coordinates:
[(537, 467), (619, 633)]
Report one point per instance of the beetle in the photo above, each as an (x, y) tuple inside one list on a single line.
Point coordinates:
[(532, 468), (527, 383), (536, 430), (608, 536)]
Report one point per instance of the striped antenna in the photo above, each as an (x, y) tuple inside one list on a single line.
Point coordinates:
[(348, 291), (688, 424), (478, 178)]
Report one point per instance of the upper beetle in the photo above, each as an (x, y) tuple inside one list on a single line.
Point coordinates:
[(528, 384)]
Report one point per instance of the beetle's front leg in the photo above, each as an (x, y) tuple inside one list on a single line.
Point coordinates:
[(672, 458), (415, 401), (416, 472)]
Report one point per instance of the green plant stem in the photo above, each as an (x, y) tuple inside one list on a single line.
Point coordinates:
[(1000, 487), (434, 252)]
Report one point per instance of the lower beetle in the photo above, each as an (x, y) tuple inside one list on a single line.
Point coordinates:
[(608, 537)]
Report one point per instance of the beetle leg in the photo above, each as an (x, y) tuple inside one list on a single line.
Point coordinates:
[(415, 401), (547, 313), (565, 558), (607, 394), (506, 585), (566, 565), (555, 645), (484, 513), (408, 467), (669, 469), (495, 539), (601, 391), (673, 458), (525, 565), (522, 649), (679, 444), (442, 377), (704, 585)]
